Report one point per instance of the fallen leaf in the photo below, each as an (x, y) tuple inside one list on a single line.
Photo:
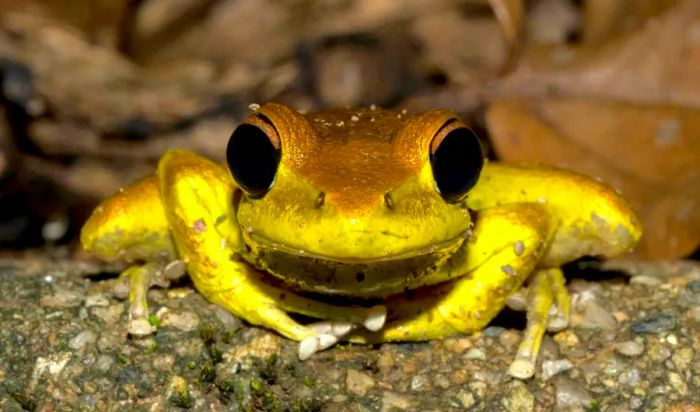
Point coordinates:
[(657, 63), (649, 152)]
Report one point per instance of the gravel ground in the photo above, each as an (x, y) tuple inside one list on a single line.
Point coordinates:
[(634, 345)]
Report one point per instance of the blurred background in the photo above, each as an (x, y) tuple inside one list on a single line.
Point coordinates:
[(92, 92)]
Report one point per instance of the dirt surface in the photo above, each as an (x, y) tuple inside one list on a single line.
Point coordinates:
[(634, 345)]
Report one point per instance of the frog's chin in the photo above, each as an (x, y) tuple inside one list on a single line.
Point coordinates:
[(358, 277)]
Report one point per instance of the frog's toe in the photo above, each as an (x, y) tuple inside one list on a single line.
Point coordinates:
[(337, 328), (328, 333), (556, 320), (313, 344), (139, 326), (376, 318), (540, 299), (139, 281), (559, 313)]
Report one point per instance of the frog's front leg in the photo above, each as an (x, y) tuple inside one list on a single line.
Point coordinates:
[(503, 252), (199, 196)]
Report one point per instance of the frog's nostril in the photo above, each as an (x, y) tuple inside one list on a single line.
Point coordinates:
[(388, 201), (320, 200)]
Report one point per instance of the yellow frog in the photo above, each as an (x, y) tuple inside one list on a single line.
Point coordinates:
[(381, 225)]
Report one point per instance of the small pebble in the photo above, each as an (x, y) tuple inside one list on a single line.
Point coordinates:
[(656, 323), (693, 285), (571, 394), (418, 382), (493, 331), (658, 352), (636, 402), (694, 313), (185, 321), (97, 300), (677, 383), (597, 317), (62, 299), (358, 383), (629, 348), (395, 401), (85, 337), (104, 362), (230, 322), (682, 358), (466, 398), (630, 377), (475, 353), (518, 398), (553, 367)]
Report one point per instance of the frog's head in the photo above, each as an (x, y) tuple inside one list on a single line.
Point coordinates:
[(364, 193)]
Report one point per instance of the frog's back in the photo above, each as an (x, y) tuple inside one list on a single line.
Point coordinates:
[(129, 225)]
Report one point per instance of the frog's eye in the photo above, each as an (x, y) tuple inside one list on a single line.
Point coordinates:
[(456, 159), (253, 155)]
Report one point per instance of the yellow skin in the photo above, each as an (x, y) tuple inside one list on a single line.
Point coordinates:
[(354, 212)]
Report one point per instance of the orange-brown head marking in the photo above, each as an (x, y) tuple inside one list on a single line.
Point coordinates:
[(355, 157)]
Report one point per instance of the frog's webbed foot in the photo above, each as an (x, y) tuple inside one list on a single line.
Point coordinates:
[(547, 309)]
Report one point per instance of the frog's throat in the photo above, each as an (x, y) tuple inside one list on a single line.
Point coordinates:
[(357, 277)]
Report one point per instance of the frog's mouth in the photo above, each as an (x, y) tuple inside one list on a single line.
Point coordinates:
[(351, 276)]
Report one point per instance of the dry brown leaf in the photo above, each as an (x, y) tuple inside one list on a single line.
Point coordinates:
[(649, 152), (658, 63)]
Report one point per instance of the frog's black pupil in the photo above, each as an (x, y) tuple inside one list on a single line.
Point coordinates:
[(457, 163), (252, 159)]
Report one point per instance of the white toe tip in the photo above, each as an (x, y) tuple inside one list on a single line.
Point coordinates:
[(522, 368), (140, 327), (326, 341), (308, 347), (376, 317), (340, 329)]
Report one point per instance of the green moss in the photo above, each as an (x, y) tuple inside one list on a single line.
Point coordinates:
[(207, 332), (208, 373), (182, 398), (256, 385), (594, 406)]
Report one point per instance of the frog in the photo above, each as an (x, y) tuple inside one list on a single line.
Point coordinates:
[(374, 225)]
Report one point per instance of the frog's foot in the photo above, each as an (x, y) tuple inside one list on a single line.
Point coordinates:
[(558, 317), (324, 334), (141, 278), (269, 306), (328, 333), (547, 309)]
